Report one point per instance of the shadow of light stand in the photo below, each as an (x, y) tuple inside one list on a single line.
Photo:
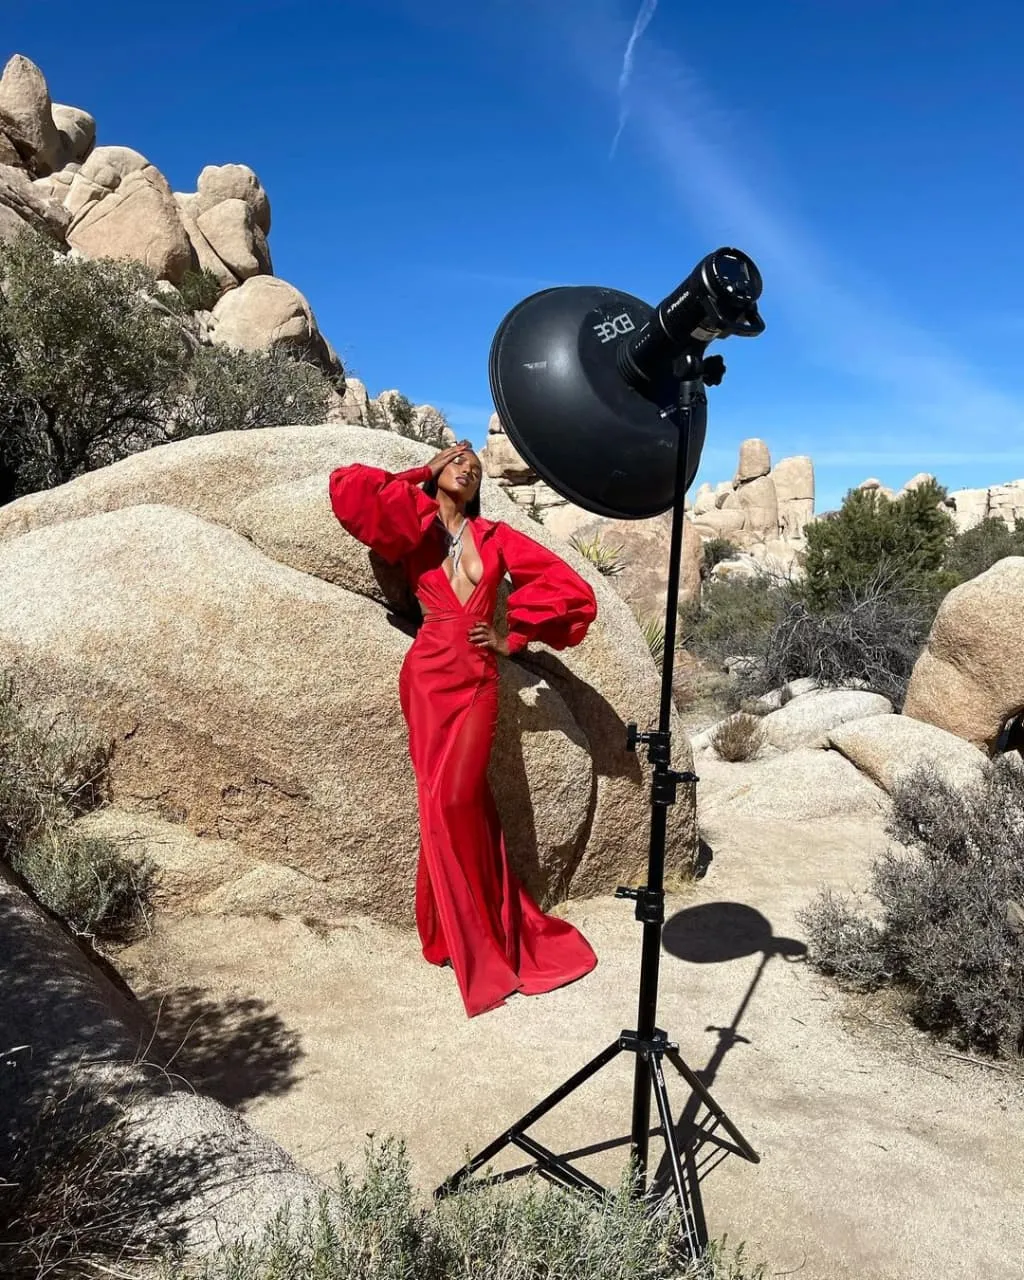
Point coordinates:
[(713, 933)]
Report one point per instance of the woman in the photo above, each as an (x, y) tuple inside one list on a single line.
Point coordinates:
[(471, 911)]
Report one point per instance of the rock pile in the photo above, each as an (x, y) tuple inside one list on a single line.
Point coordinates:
[(111, 202), (968, 507), (762, 511)]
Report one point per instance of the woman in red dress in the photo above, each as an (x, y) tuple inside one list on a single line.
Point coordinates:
[(471, 911)]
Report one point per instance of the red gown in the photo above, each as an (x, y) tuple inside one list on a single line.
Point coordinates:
[(471, 910)]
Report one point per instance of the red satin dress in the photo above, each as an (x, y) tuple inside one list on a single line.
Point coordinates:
[(471, 910)]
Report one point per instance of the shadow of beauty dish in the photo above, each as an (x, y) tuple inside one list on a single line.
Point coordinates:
[(714, 933)]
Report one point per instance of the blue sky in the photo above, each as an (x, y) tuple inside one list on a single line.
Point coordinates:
[(430, 164)]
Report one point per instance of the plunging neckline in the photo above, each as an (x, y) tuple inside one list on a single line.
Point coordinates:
[(463, 604), (451, 587)]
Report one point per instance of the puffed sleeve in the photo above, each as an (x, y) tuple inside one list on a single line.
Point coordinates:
[(549, 601), (389, 513)]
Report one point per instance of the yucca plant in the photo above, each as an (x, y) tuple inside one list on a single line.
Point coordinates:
[(653, 631), (605, 559)]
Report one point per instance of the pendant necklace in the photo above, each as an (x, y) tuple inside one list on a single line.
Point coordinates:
[(454, 541)]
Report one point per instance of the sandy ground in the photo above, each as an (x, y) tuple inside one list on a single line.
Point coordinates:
[(883, 1154)]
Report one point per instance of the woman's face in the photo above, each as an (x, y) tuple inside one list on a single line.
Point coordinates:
[(461, 477)]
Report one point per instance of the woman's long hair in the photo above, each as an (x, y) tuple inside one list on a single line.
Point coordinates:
[(472, 506)]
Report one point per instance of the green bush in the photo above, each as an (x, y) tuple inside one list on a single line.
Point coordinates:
[(85, 358), (733, 618), (947, 918), (375, 1232), (223, 390), (978, 549), (715, 551), (94, 366), (199, 290), (903, 539), (48, 779), (401, 410)]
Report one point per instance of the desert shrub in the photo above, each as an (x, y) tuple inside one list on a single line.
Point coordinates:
[(869, 638), (47, 779), (225, 390), (715, 551), (733, 617), (902, 538), (401, 410), (376, 1232), (392, 412), (85, 358), (88, 882), (978, 549), (945, 918), (738, 738), (199, 290), (605, 559), (95, 365)]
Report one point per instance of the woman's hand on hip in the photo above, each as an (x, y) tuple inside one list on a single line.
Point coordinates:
[(484, 636)]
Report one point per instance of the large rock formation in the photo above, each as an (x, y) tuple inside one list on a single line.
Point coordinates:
[(121, 206), (112, 202), (970, 678), (763, 511), (969, 507), (205, 613)]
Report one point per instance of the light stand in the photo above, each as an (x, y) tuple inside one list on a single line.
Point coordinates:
[(555, 378), (648, 1042)]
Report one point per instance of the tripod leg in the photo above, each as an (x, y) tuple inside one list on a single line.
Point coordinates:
[(532, 1116), (700, 1089), (691, 1233)]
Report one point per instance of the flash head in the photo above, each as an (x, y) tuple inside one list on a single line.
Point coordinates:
[(718, 299)]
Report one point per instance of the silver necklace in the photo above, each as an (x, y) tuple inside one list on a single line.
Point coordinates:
[(454, 541)]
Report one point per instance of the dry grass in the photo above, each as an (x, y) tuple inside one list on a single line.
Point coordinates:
[(47, 780), (740, 738), (78, 1197)]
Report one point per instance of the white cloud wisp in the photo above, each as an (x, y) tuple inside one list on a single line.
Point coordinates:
[(640, 25)]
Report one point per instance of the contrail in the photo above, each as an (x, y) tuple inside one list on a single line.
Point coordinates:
[(643, 19)]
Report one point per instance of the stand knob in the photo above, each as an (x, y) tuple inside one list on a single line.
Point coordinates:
[(632, 736)]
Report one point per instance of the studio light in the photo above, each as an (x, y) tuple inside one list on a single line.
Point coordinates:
[(586, 382)]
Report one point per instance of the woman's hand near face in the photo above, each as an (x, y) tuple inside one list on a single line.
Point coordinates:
[(440, 460)]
